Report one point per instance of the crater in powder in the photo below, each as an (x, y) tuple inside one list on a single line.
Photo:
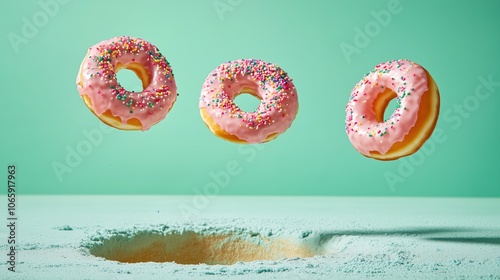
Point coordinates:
[(191, 247)]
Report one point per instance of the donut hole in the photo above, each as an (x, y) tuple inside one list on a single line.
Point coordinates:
[(247, 101), (129, 80), (390, 108), (385, 105)]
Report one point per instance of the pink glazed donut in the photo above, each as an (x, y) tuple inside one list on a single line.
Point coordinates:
[(409, 126), (109, 101), (266, 81)]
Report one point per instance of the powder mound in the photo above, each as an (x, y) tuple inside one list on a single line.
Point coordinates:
[(64, 228)]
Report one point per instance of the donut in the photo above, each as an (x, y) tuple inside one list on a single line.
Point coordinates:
[(109, 101), (267, 82), (411, 123)]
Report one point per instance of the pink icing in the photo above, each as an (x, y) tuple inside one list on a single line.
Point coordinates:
[(409, 81), (97, 80), (275, 113)]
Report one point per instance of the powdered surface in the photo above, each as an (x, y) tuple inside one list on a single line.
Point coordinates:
[(356, 238)]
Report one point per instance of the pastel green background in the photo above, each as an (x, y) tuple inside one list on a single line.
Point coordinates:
[(43, 116)]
